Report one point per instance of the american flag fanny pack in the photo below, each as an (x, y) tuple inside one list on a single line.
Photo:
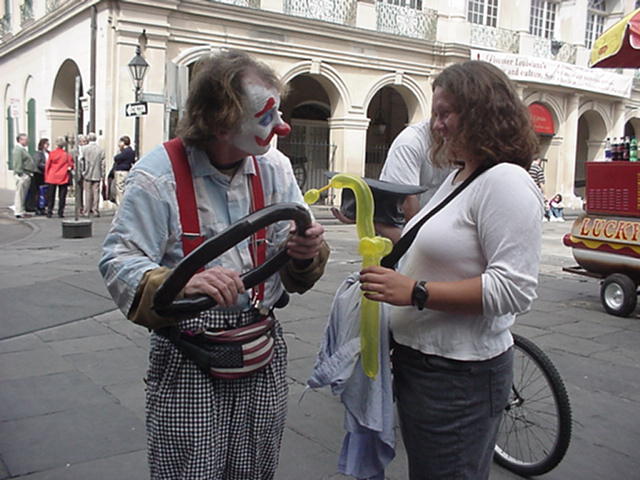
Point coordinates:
[(227, 354)]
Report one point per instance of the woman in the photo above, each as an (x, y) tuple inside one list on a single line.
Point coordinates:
[(557, 208), (57, 176), (472, 267), (200, 426), (122, 163), (37, 180)]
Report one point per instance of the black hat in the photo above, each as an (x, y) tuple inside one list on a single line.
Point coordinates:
[(387, 197)]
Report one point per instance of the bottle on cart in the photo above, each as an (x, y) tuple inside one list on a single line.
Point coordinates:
[(607, 150), (617, 156), (625, 149), (633, 149), (614, 149)]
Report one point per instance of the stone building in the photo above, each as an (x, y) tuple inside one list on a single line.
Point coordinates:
[(359, 71)]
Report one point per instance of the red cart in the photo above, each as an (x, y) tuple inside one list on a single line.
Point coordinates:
[(606, 239)]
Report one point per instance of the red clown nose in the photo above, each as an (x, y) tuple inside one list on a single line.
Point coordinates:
[(283, 129)]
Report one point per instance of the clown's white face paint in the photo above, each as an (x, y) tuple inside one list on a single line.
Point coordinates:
[(261, 120)]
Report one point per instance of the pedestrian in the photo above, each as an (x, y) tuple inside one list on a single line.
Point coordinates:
[(199, 426), (37, 179), (464, 278), (23, 167), (92, 175), (408, 163), (57, 175), (537, 173), (122, 163), (557, 208), (78, 161)]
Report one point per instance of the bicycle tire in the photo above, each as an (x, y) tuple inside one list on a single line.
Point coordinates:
[(535, 430)]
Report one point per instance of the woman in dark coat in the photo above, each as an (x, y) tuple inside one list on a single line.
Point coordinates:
[(37, 179)]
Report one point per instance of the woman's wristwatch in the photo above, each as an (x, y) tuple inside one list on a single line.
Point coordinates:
[(420, 295)]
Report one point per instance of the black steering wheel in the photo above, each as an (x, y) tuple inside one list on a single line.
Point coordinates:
[(164, 301)]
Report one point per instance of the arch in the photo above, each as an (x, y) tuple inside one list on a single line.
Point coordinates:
[(330, 80), (592, 131), (549, 101), (604, 114), (412, 94), (63, 98), (9, 123)]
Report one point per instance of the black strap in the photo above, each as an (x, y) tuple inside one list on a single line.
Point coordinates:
[(400, 248)]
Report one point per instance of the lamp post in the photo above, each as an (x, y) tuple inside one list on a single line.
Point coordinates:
[(138, 67)]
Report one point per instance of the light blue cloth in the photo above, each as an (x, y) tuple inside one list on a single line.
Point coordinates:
[(369, 444), (146, 231)]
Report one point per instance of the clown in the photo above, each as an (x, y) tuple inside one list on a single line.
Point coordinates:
[(199, 426)]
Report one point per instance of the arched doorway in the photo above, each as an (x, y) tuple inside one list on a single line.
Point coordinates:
[(307, 109), (63, 102), (591, 136), (388, 114)]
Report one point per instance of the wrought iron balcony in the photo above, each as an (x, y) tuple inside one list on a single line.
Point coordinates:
[(53, 4), (5, 25), (495, 38), (26, 12), (242, 3), (407, 21), (334, 11), (555, 50)]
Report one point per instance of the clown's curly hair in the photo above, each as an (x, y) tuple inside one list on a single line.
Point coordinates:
[(494, 123)]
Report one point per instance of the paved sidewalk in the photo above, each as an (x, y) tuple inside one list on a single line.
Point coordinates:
[(71, 367)]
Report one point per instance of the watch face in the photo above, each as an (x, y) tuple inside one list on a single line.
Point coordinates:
[(420, 295)]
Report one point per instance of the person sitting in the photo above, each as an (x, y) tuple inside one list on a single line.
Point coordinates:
[(557, 208)]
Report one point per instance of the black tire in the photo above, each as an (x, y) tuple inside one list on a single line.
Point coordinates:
[(618, 295), (535, 430)]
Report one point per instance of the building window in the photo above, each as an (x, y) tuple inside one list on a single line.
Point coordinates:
[(543, 18), (595, 21), (415, 4), (483, 12)]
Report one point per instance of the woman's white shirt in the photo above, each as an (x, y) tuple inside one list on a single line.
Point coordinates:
[(493, 229)]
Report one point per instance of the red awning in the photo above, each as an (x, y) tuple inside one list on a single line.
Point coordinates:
[(542, 119)]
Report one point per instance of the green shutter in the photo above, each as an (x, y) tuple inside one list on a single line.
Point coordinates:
[(31, 125), (10, 139)]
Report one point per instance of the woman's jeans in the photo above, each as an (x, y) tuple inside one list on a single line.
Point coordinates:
[(450, 411)]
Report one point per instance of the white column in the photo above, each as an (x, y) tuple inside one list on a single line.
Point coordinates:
[(618, 119), (349, 135), (567, 160)]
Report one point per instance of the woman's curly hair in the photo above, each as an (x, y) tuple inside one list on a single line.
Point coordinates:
[(494, 123), (214, 103)]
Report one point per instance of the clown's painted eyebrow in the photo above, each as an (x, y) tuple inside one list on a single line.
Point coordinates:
[(267, 106)]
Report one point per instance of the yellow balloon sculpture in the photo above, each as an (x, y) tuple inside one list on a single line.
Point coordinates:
[(372, 248)]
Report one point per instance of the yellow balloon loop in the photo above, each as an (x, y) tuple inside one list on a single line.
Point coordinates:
[(372, 248)]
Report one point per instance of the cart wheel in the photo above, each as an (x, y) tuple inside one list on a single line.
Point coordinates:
[(618, 295)]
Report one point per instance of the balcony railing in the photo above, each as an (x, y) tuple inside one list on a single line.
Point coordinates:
[(5, 25), (334, 11), (242, 3), (495, 38), (406, 21), (26, 13), (53, 4), (564, 52)]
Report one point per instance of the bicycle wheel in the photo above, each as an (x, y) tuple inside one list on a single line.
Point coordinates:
[(535, 430)]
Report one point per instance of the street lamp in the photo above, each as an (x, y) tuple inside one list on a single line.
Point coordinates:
[(138, 67)]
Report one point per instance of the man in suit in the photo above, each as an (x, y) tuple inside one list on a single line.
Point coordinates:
[(23, 166), (92, 174)]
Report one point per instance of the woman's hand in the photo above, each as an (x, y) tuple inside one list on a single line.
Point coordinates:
[(305, 247), (221, 284), (386, 285)]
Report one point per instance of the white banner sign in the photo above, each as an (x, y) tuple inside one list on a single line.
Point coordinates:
[(541, 70)]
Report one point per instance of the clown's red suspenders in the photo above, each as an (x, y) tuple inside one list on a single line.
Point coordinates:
[(188, 208)]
